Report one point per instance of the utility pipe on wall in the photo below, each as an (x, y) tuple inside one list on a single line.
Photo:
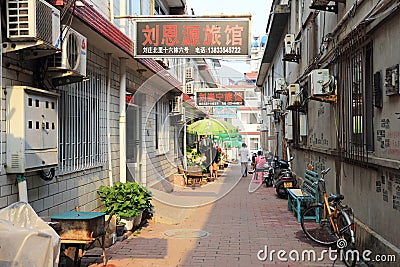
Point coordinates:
[(22, 188), (110, 176), (184, 142), (122, 121), (1, 99)]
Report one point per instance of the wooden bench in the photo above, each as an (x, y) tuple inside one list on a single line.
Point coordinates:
[(308, 193)]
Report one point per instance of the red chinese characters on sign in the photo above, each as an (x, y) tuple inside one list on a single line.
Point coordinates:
[(220, 98), (151, 35), (202, 97), (212, 35), (234, 35), (170, 35), (192, 37)]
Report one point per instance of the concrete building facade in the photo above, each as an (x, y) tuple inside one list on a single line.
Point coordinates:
[(114, 119), (352, 126)]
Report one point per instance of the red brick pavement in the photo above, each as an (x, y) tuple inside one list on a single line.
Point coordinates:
[(239, 226)]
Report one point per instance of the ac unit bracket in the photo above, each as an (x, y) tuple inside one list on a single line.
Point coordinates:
[(328, 8), (68, 78), (291, 58), (29, 50), (328, 99)]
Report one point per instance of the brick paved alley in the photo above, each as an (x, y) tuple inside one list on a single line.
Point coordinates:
[(239, 225)]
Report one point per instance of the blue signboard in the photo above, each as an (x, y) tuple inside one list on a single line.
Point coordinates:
[(225, 112)]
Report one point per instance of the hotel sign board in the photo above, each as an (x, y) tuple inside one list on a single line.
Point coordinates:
[(194, 37), (220, 98)]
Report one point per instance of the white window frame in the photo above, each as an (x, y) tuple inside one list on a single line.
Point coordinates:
[(162, 126)]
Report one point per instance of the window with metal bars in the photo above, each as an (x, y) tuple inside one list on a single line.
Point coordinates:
[(356, 102), (82, 120)]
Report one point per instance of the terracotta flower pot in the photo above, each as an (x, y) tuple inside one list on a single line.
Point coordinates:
[(138, 220)]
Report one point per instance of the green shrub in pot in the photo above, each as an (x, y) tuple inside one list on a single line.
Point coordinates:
[(125, 200)]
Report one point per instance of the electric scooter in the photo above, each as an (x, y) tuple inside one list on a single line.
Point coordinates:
[(275, 167)]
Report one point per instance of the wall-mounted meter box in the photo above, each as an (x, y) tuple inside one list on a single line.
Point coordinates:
[(32, 129)]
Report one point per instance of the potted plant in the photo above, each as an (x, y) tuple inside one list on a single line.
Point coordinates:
[(119, 227), (126, 201)]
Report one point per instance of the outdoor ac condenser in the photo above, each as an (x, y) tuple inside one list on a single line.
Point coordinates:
[(294, 94), (289, 44), (33, 20), (269, 110), (289, 125), (73, 54), (189, 88), (276, 105), (189, 73), (320, 82), (280, 86)]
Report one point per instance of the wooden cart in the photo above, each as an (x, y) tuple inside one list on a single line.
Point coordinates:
[(81, 230)]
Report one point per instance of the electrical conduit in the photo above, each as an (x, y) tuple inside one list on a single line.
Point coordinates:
[(122, 121), (110, 175)]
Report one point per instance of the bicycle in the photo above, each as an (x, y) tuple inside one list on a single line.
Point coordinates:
[(332, 224)]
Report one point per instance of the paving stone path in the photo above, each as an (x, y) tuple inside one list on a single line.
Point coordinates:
[(238, 226)]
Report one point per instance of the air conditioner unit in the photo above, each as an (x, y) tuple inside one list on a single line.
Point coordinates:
[(269, 110), (180, 118), (289, 125), (280, 86), (276, 105), (176, 104), (320, 82), (291, 49), (189, 73), (294, 94), (289, 44), (303, 125), (33, 20), (259, 118), (268, 100), (72, 59), (163, 62), (189, 88), (166, 63)]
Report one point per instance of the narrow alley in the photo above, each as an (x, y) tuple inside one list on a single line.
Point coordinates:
[(236, 227)]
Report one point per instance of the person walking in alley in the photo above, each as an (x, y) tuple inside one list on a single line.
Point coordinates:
[(244, 155)]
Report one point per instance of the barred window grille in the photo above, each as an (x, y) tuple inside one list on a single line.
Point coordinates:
[(356, 103), (82, 120)]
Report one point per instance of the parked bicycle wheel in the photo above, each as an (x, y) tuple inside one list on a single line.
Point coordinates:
[(347, 243), (320, 230)]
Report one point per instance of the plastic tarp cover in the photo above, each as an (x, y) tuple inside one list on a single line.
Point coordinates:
[(25, 239)]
